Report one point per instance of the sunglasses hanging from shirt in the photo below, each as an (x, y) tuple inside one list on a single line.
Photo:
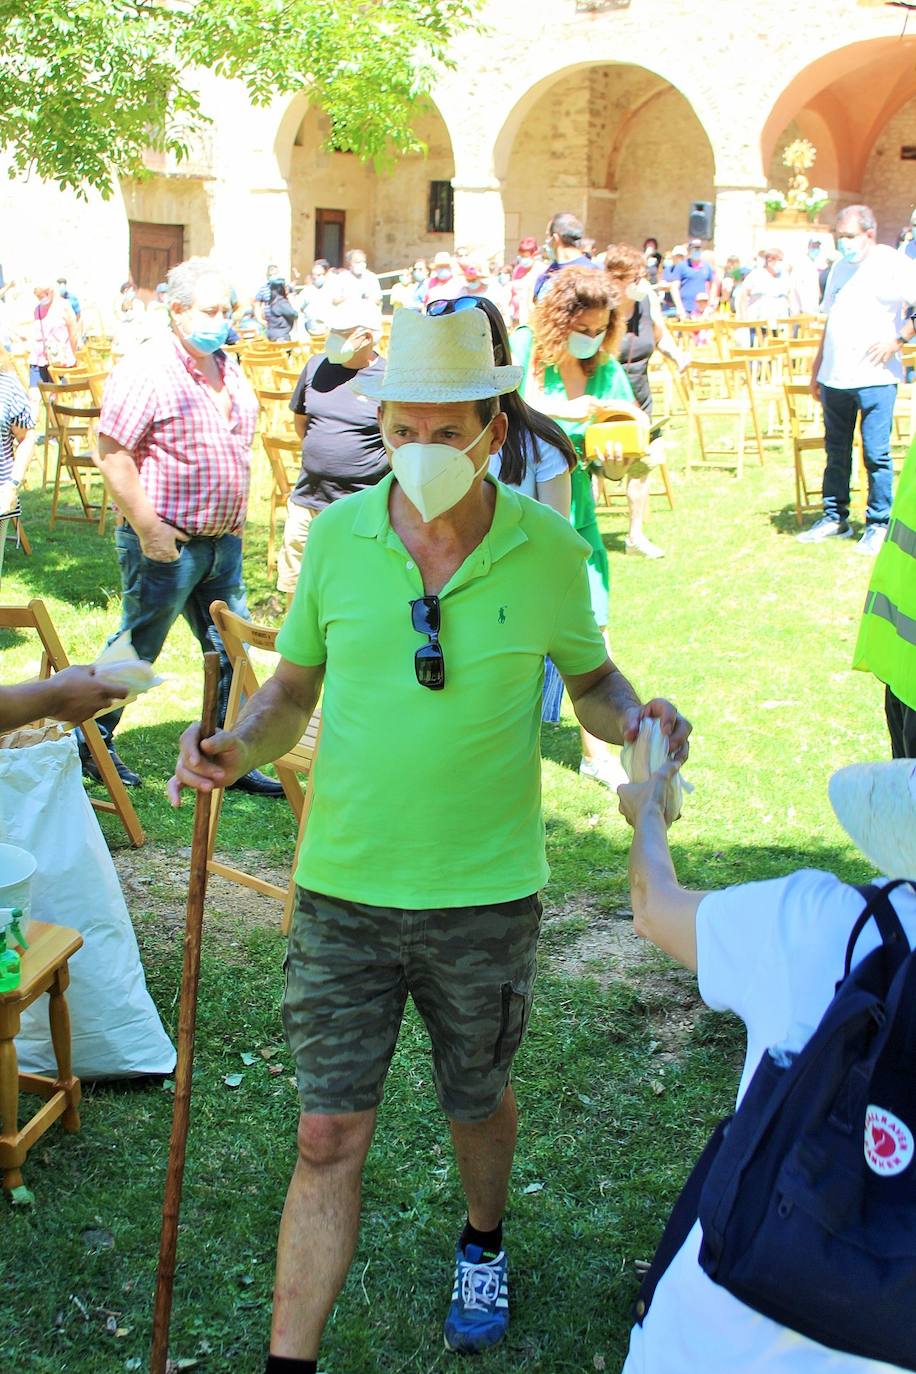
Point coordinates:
[(429, 660)]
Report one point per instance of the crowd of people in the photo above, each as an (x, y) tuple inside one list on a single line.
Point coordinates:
[(442, 556)]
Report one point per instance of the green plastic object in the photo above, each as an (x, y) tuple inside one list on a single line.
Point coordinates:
[(10, 966), (11, 924)]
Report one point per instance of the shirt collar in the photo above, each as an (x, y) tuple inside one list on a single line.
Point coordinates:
[(505, 533)]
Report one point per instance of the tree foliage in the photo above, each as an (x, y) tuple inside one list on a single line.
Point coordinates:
[(87, 87)]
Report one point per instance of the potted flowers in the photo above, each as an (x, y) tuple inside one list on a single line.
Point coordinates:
[(774, 202), (815, 201)]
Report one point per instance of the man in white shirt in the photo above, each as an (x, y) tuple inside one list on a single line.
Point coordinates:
[(771, 952), (869, 291)]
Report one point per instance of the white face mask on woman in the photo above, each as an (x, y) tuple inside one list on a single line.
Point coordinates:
[(583, 346), (434, 477)]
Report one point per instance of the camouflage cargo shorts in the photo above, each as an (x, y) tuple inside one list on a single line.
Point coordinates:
[(349, 970)]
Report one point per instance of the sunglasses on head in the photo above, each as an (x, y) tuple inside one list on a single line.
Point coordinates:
[(453, 307), (429, 660)]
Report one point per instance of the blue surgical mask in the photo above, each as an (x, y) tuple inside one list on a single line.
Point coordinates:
[(853, 250), (583, 346), (525, 262), (208, 340)]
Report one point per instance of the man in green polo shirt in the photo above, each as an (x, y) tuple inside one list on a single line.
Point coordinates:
[(425, 608)]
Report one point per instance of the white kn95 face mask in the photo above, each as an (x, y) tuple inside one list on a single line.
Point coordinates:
[(434, 477)]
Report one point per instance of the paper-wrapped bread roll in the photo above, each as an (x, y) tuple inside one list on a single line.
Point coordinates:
[(645, 755)]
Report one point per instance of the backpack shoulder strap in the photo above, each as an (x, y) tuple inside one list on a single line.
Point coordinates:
[(877, 905), (680, 1223)]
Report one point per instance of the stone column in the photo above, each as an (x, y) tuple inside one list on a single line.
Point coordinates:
[(739, 219), (480, 219)]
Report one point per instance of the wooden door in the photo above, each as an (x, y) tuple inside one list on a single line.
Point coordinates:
[(154, 248), (330, 226)]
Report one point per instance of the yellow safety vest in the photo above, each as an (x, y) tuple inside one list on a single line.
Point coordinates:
[(887, 636)]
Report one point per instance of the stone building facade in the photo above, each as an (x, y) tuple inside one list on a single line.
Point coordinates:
[(623, 111)]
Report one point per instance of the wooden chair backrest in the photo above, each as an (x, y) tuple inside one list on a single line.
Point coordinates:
[(275, 445), (721, 377)]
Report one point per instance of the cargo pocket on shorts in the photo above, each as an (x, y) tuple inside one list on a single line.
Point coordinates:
[(515, 1008)]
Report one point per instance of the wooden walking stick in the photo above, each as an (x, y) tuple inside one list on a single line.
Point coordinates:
[(187, 1016)]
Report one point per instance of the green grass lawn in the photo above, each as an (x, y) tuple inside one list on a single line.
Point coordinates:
[(622, 1075)]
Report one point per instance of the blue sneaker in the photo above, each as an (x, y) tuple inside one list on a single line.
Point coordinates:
[(479, 1314)]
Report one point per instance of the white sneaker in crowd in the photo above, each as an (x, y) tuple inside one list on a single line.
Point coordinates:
[(643, 547), (609, 772), (872, 539), (825, 528)]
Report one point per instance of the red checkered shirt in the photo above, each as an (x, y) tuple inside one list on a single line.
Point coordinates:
[(194, 464)]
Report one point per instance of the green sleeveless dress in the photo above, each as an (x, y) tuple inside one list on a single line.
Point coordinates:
[(608, 382)]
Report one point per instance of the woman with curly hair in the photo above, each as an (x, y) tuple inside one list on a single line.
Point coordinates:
[(645, 332), (571, 373)]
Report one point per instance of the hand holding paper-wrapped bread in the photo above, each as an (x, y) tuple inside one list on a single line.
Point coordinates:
[(646, 758), (122, 665)]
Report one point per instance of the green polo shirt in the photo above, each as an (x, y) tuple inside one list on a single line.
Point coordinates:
[(433, 799)]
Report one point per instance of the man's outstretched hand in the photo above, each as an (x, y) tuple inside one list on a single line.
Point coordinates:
[(674, 725), (205, 764)]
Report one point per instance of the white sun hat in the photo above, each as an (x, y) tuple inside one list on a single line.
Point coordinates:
[(875, 804), (439, 359), (354, 313)]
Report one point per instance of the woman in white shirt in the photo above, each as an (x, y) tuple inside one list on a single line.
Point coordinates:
[(770, 952)]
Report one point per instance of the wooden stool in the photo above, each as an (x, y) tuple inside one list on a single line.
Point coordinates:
[(44, 969)]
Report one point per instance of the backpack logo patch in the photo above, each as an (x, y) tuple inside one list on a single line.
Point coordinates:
[(888, 1142)]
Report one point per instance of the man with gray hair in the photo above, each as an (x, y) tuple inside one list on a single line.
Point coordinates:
[(869, 294), (175, 434)]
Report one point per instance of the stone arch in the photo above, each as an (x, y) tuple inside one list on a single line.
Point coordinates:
[(842, 101), (386, 213), (617, 143)]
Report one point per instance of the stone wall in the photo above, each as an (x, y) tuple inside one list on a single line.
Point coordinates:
[(621, 115), (889, 185)]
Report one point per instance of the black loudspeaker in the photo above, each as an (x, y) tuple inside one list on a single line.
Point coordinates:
[(702, 219)]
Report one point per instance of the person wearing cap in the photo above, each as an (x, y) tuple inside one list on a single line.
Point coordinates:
[(695, 279), (342, 449), (424, 609), (770, 952), (563, 247)]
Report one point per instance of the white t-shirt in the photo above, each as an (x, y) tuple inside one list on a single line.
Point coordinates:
[(772, 953), (865, 304), (548, 462)]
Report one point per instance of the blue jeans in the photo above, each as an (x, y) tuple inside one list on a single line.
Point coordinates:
[(841, 407), (154, 595)]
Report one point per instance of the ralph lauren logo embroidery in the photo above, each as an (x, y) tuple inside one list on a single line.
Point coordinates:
[(502, 615)]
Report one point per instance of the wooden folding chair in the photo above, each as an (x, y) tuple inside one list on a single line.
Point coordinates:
[(802, 427), (720, 390), (732, 333), (696, 337), (275, 416), (75, 409), (237, 635), (285, 378), (284, 453), (769, 369), (35, 617)]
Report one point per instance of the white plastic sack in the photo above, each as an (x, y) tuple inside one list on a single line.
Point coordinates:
[(117, 1032), (645, 755)]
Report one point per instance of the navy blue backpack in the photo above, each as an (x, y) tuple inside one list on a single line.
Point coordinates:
[(807, 1195)]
